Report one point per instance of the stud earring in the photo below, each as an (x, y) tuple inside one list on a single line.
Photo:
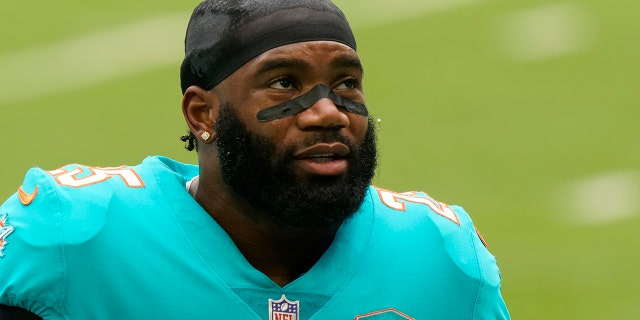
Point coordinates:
[(205, 136)]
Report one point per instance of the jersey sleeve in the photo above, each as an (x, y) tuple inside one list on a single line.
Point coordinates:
[(489, 301), (469, 277), (32, 263)]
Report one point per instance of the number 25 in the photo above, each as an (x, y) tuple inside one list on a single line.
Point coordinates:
[(397, 201)]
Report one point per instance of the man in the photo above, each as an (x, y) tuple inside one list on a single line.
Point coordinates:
[(278, 220)]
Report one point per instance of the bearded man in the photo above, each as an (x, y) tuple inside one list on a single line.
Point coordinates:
[(277, 221)]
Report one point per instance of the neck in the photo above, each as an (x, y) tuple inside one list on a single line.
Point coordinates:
[(283, 256), (280, 252)]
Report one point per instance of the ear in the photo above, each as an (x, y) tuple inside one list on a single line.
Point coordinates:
[(200, 109)]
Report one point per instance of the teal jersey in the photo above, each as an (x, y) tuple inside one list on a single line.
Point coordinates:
[(131, 243)]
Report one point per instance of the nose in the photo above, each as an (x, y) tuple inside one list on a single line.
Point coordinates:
[(323, 114)]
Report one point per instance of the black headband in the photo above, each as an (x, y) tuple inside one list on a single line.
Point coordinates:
[(224, 35)]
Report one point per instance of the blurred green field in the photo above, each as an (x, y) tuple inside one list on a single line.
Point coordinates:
[(524, 112)]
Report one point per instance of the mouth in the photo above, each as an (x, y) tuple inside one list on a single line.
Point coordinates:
[(323, 159)]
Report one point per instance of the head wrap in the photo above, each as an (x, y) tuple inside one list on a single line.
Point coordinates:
[(223, 35)]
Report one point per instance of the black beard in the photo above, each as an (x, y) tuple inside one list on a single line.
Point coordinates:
[(263, 174)]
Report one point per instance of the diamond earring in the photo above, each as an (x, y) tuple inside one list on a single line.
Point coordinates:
[(205, 136)]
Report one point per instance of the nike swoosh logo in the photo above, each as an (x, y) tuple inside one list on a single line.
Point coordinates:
[(27, 198)]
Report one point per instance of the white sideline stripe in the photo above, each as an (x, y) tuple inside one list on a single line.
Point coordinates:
[(92, 58), (142, 46), (369, 13), (546, 32), (600, 199)]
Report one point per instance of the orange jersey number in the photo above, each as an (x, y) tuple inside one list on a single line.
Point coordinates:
[(397, 201), (84, 176)]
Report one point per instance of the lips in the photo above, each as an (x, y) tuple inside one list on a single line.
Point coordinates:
[(323, 158), (335, 150)]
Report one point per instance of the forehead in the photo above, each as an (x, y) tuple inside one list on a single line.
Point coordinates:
[(327, 54)]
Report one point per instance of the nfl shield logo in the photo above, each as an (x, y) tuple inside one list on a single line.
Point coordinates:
[(284, 309)]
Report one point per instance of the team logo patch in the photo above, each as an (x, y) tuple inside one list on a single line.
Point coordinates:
[(284, 309), (5, 230), (386, 314)]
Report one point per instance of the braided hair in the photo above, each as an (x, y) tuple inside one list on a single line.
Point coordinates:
[(190, 141)]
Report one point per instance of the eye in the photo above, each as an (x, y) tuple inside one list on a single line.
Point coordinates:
[(348, 84), (283, 83)]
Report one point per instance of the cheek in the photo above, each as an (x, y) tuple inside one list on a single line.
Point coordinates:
[(280, 131), (359, 125)]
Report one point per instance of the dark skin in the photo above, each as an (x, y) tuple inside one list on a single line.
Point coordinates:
[(273, 77)]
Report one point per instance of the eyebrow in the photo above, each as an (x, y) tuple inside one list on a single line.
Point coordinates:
[(283, 63), (300, 64), (347, 62)]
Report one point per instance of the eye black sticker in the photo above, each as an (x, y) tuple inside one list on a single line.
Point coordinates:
[(307, 100)]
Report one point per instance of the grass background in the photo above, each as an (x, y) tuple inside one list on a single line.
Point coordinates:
[(464, 118)]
